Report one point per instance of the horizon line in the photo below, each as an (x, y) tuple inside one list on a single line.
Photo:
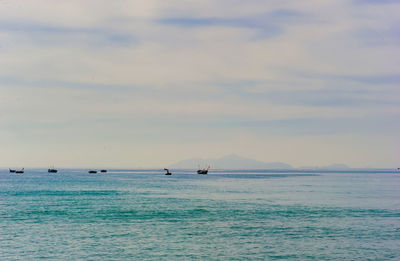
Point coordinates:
[(218, 169)]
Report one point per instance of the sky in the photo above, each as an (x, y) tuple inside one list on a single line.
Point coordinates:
[(143, 84)]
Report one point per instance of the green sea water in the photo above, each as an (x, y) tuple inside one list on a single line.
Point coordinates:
[(225, 215)]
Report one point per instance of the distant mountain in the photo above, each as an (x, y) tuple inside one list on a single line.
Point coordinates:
[(336, 166), (232, 161)]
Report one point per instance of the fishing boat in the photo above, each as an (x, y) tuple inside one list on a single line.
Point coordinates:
[(20, 171), (12, 170), (92, 171), (203, 171), (52, 170), (168, 173), (103, 171)]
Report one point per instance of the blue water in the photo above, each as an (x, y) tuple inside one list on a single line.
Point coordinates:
[(240, 215)]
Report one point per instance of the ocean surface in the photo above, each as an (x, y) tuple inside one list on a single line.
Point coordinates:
[(225, 215)]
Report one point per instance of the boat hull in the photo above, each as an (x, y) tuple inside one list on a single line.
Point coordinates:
[(19, 171)]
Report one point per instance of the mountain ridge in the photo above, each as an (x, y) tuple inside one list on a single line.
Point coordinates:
[(231, 161), (234, 161)]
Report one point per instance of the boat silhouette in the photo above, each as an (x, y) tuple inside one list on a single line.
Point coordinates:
[(203, 171), (92, 171), (103, 170), (168, 173), (52, 170), (19, 171), (12, 170)]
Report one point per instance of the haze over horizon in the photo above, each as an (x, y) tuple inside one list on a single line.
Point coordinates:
[(148, 83)]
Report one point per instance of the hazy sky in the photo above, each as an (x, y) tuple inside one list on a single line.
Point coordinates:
[(148, 83)]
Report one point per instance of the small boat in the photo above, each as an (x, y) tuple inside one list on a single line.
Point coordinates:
[(52, 170), (12, 170), (203, 171), (19, 171), (168, 173), (92, 171), (103, 171)]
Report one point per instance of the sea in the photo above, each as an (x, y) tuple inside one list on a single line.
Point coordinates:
[(225, 215)]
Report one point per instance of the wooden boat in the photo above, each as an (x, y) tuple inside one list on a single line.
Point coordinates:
[(19, 171), (203, 171)]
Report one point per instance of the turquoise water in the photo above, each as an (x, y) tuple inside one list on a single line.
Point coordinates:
[(240, 215)]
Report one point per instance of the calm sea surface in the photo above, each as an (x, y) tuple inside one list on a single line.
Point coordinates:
[(226, 215)]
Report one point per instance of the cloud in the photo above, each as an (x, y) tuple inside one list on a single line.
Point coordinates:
[(390, 35), (146, 76), (376, 2), (267, 25), (381, 79), (335, 98), (47, 34)]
